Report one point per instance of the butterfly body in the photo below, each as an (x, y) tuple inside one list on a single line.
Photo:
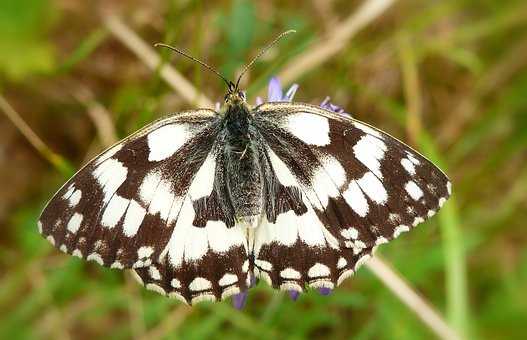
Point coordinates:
[(200, 203), (243, 168)]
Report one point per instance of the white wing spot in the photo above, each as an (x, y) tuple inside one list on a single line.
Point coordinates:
[(449, 188), (75, 222), (154, 273), (117, 265), (413, 190), (412, 158), (228, 279), (148, 187), (162, 200), (354, 196), (96, 258), (245, 267), (442, 201), (417, 220), (51, 240), (370, 151), (408, 165), (342, 263), (334, 169), (110, 174), (290, 273), (361, 261), (203, 297), (431, 213), (323, 186), (310, 128), (144, 252), (63, 248), (350, 233), (75, 198), (267, 266), (77, 253), (399, 230), (199, 284), (175, 283), (133, 218), (318, 270), (114, 211), (373, 187), (165, 141), (155, 288), (282, 172), (358, 246), (381, 240), (203, 182), (345, 274), (69, 192)]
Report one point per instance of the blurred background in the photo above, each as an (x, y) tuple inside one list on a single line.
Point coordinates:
[(448, 77)]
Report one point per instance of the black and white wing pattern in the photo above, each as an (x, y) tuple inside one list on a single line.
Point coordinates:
[(206, 258), (121, 208), (360, 188)]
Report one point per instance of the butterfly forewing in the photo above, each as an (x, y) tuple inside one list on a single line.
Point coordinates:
[(121, 208)]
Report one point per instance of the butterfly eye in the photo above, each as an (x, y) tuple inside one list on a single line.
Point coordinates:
[(242, 95)]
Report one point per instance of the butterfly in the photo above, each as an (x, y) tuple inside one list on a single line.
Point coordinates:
[(203, 202)]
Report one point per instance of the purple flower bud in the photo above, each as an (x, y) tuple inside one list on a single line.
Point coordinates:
[(290, 94), (293, 294), (326, 104), (274, 92), (239, 300), (324, 291), (252, 280)]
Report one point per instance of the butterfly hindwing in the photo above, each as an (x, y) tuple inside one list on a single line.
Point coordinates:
[(206, 257), (120, 209)]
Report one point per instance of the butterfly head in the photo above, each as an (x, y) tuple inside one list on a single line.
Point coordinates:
[(234, 96)]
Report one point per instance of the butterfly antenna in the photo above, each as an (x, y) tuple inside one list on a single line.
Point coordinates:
[(229, 83), (262, 52)]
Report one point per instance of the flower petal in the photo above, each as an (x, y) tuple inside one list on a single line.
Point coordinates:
[(290, 93), (239, 300), (324, 290), (326, 104), (274, 90), (293, 294)]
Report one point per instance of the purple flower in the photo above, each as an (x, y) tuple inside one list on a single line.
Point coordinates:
[(275, 94)]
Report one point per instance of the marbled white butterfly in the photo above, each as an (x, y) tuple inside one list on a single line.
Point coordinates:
[(202, 202)]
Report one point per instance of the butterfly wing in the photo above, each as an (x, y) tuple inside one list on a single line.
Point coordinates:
[(121, 208), (361, 188), (206, 257)]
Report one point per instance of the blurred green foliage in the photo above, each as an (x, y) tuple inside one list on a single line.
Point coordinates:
[(23, 40), (470, 58)]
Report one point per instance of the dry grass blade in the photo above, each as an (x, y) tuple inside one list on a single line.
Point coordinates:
[(336, 40), (100, 117), (408, 296), (147, 55), (55, 159)]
